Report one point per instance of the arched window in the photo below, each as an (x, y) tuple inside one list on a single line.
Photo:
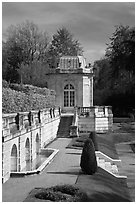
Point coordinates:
[(69, 96)]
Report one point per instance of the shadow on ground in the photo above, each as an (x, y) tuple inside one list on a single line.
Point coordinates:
[(107, 197), (74, 153), (103, 187)]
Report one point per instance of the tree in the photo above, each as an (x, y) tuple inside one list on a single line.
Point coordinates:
[(24, 45), (102, 73), (121, 53), (10, 63), (115, 76), (102, 81), (63, 44), (121, 50), (34, 74)]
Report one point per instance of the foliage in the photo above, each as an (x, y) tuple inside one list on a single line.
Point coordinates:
[(114, 81), (31, 89), (88, 161), (121, 50), (63, 44), (5, 84), (24, 45), (27, 52), (26, 99), (62, 193), (10, 71), (101, 95), (122, 103), (102, 72), (34, 74)]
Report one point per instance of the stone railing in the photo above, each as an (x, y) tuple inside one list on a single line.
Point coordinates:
[(85, 111), (74, 127), (100, 110), (14, 123)]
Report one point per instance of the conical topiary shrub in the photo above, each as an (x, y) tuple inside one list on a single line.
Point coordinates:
[(88, 161), (93, 137)]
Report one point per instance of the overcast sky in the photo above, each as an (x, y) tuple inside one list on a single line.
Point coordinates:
[(92, 23)]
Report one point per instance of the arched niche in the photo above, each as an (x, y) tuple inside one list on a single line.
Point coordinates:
[(13, 164), (37, 144)]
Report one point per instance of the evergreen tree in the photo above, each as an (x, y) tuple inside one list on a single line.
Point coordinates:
[(63, 44), (121, 50)]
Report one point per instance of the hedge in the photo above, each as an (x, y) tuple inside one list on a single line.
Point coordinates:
[(88, 161), (5, 84), (17, 101), (25, 88)]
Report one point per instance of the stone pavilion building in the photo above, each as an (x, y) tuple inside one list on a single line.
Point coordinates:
[(72, 81)]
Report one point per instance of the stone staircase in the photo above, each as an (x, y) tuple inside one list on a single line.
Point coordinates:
[(110, 165), (64, 126)]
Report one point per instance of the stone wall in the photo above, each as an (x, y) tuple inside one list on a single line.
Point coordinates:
[(78, 78), (57, 82), (103, 119), (86, 124), (23, 132)]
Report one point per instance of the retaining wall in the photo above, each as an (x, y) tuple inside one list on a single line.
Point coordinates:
[(23, 134)]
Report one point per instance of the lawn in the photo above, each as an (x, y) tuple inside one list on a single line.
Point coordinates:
[(123, 132)]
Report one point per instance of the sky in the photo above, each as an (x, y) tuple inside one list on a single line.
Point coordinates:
[(92, 23)]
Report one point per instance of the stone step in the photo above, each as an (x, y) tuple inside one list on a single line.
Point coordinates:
[(115, 169), (102, 163), (112, 166), (64, 126), (108, 166)]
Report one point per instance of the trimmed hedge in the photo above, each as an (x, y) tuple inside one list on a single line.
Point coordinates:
[(17, 101), (88, 161)]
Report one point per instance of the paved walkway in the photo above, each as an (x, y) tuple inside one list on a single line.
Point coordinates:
[(64, 169), (127, 157)]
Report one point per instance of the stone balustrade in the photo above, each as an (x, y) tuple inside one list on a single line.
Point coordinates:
[(96, 118), (74, 127)]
